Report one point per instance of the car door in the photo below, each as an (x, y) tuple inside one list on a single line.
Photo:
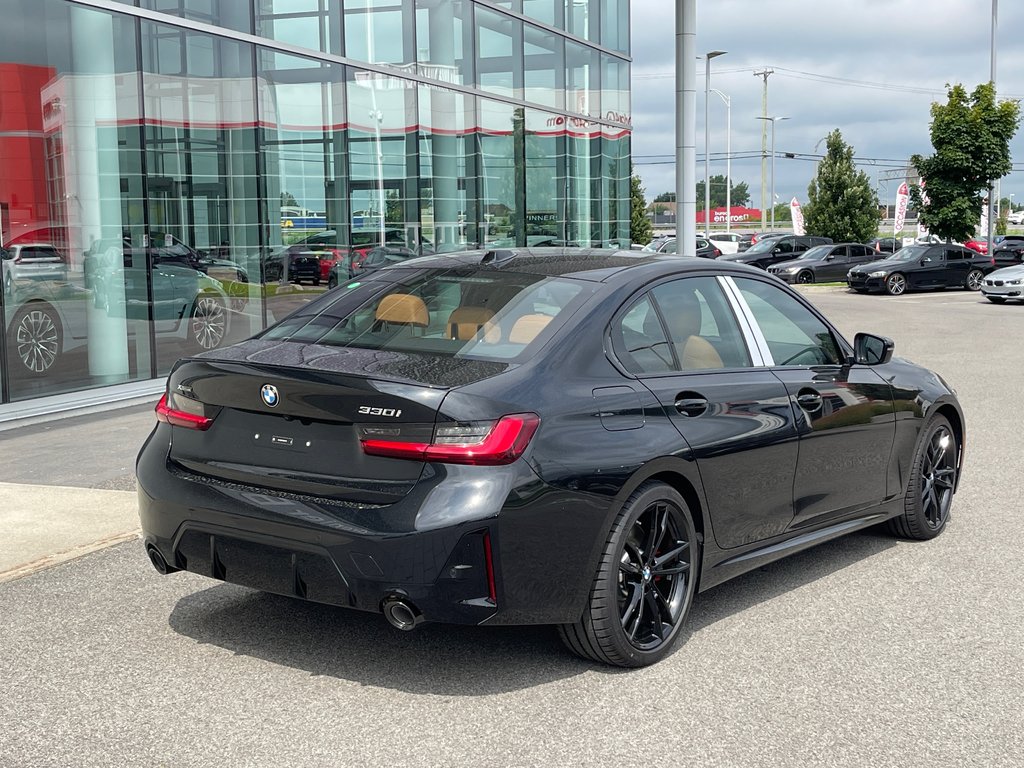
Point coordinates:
[(845, 413), (959, 261), (861, 254), (735, 417), (835, 265), (930, 270)]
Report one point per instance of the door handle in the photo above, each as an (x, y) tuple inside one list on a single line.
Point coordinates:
[(690, 404), (809, 400)]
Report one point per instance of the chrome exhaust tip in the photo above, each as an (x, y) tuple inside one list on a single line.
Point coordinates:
[(401, 614)]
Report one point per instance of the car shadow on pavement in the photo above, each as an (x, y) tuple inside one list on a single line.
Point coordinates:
[(455, 660)]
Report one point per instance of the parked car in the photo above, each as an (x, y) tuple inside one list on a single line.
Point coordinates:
[(439, 440), (1008, 252), (31, 261), (311, 258), (885, 244), (726, 242), (978, 244), (824, 263), (772, 250), (1004, 285), (1016, 217), (752, 238), (705, 248), (658, 241), (922, 267)]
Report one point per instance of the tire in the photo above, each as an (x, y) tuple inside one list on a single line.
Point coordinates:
[(805, 277), (35, 339), (332, 282), (634, 614), (997, 299), (861, 290), (208, 321), (896, 284), (929, 495), (973, 281), (316, 281)]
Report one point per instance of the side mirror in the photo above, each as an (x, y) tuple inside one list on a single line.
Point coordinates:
[(869, 349), (830, 257), (777, 251), (926, 260)]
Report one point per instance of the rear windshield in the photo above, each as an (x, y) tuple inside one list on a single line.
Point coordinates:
[(475, 314)]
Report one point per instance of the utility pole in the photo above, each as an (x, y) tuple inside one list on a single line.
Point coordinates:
[(764, 137), (992, 76)]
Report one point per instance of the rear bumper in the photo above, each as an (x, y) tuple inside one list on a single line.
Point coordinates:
[(430, 548)]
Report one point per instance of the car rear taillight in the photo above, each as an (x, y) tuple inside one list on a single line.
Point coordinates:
[(488, 443), (177, 415)]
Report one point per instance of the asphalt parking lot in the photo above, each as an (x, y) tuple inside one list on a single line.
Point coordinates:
[(866, 651)]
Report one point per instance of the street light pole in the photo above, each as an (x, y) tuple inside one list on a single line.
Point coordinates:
[(773, 121), (995, 12), (707, 157), (728, 158)]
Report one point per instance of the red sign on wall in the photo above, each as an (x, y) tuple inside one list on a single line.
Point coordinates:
[(738, 214)]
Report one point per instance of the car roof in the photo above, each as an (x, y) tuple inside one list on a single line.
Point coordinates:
[(598, 265)]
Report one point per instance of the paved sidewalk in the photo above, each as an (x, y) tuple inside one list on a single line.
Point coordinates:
[(45, 525)]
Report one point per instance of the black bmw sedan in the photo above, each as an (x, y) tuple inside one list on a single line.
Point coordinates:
[(922, 267), (578, 438)]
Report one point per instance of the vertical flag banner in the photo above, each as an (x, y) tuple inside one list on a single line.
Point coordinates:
[(922, 230), (798, 217), (902, 196)]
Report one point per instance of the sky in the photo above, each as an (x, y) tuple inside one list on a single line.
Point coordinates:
[(902, 53)]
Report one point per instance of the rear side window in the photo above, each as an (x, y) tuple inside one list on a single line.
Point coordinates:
[(476, 314)]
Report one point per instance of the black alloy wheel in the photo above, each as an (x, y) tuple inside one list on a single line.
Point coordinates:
[(896, 284), (929, 494), (644, 585), (805, 277), (209, 322), (35, 337), (974, 278)]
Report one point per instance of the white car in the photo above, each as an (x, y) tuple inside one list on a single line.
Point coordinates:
[(1016, 217), (1004, 284), (726, 242), (30, 261)]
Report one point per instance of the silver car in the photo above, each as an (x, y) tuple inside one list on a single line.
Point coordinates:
[(1004, 284), (31, 261)]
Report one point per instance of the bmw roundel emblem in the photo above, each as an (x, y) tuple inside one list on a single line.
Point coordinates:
[(269, 395)]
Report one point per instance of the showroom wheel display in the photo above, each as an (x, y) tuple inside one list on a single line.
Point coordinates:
[(209, 322), (35, 338), (644, 584), (929, 494)]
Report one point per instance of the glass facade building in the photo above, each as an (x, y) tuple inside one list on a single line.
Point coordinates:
[(178, 174)]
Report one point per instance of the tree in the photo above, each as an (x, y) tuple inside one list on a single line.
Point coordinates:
[(740, 193), (971, 136), (840, 201), (666, 197), (639, 225), (288, 200)]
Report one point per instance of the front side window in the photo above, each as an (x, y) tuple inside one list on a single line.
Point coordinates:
[(795, 335)]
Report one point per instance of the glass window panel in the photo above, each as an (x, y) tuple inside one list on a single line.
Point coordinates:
[(545, 179), (702, 328), (304, 140), (382, 159), (71, 186), (231, 14), (203, 235), (581, 18), (794, 334), (581, 69), (501, 127), (545, 11), (312, 24), (615, 25), (613, 214), (498, 43), (615, 89), (543, 57), (440, 41), (375, 32), (444, 134)]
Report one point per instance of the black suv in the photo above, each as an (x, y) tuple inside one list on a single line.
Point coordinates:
[(922, 266), (766, 252)]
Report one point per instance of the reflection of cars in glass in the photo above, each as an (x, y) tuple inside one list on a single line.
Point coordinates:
[(31, 261), (922, 267), (823, 263), (376, 258), (47, 318), (437, 440), (312, 257)]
